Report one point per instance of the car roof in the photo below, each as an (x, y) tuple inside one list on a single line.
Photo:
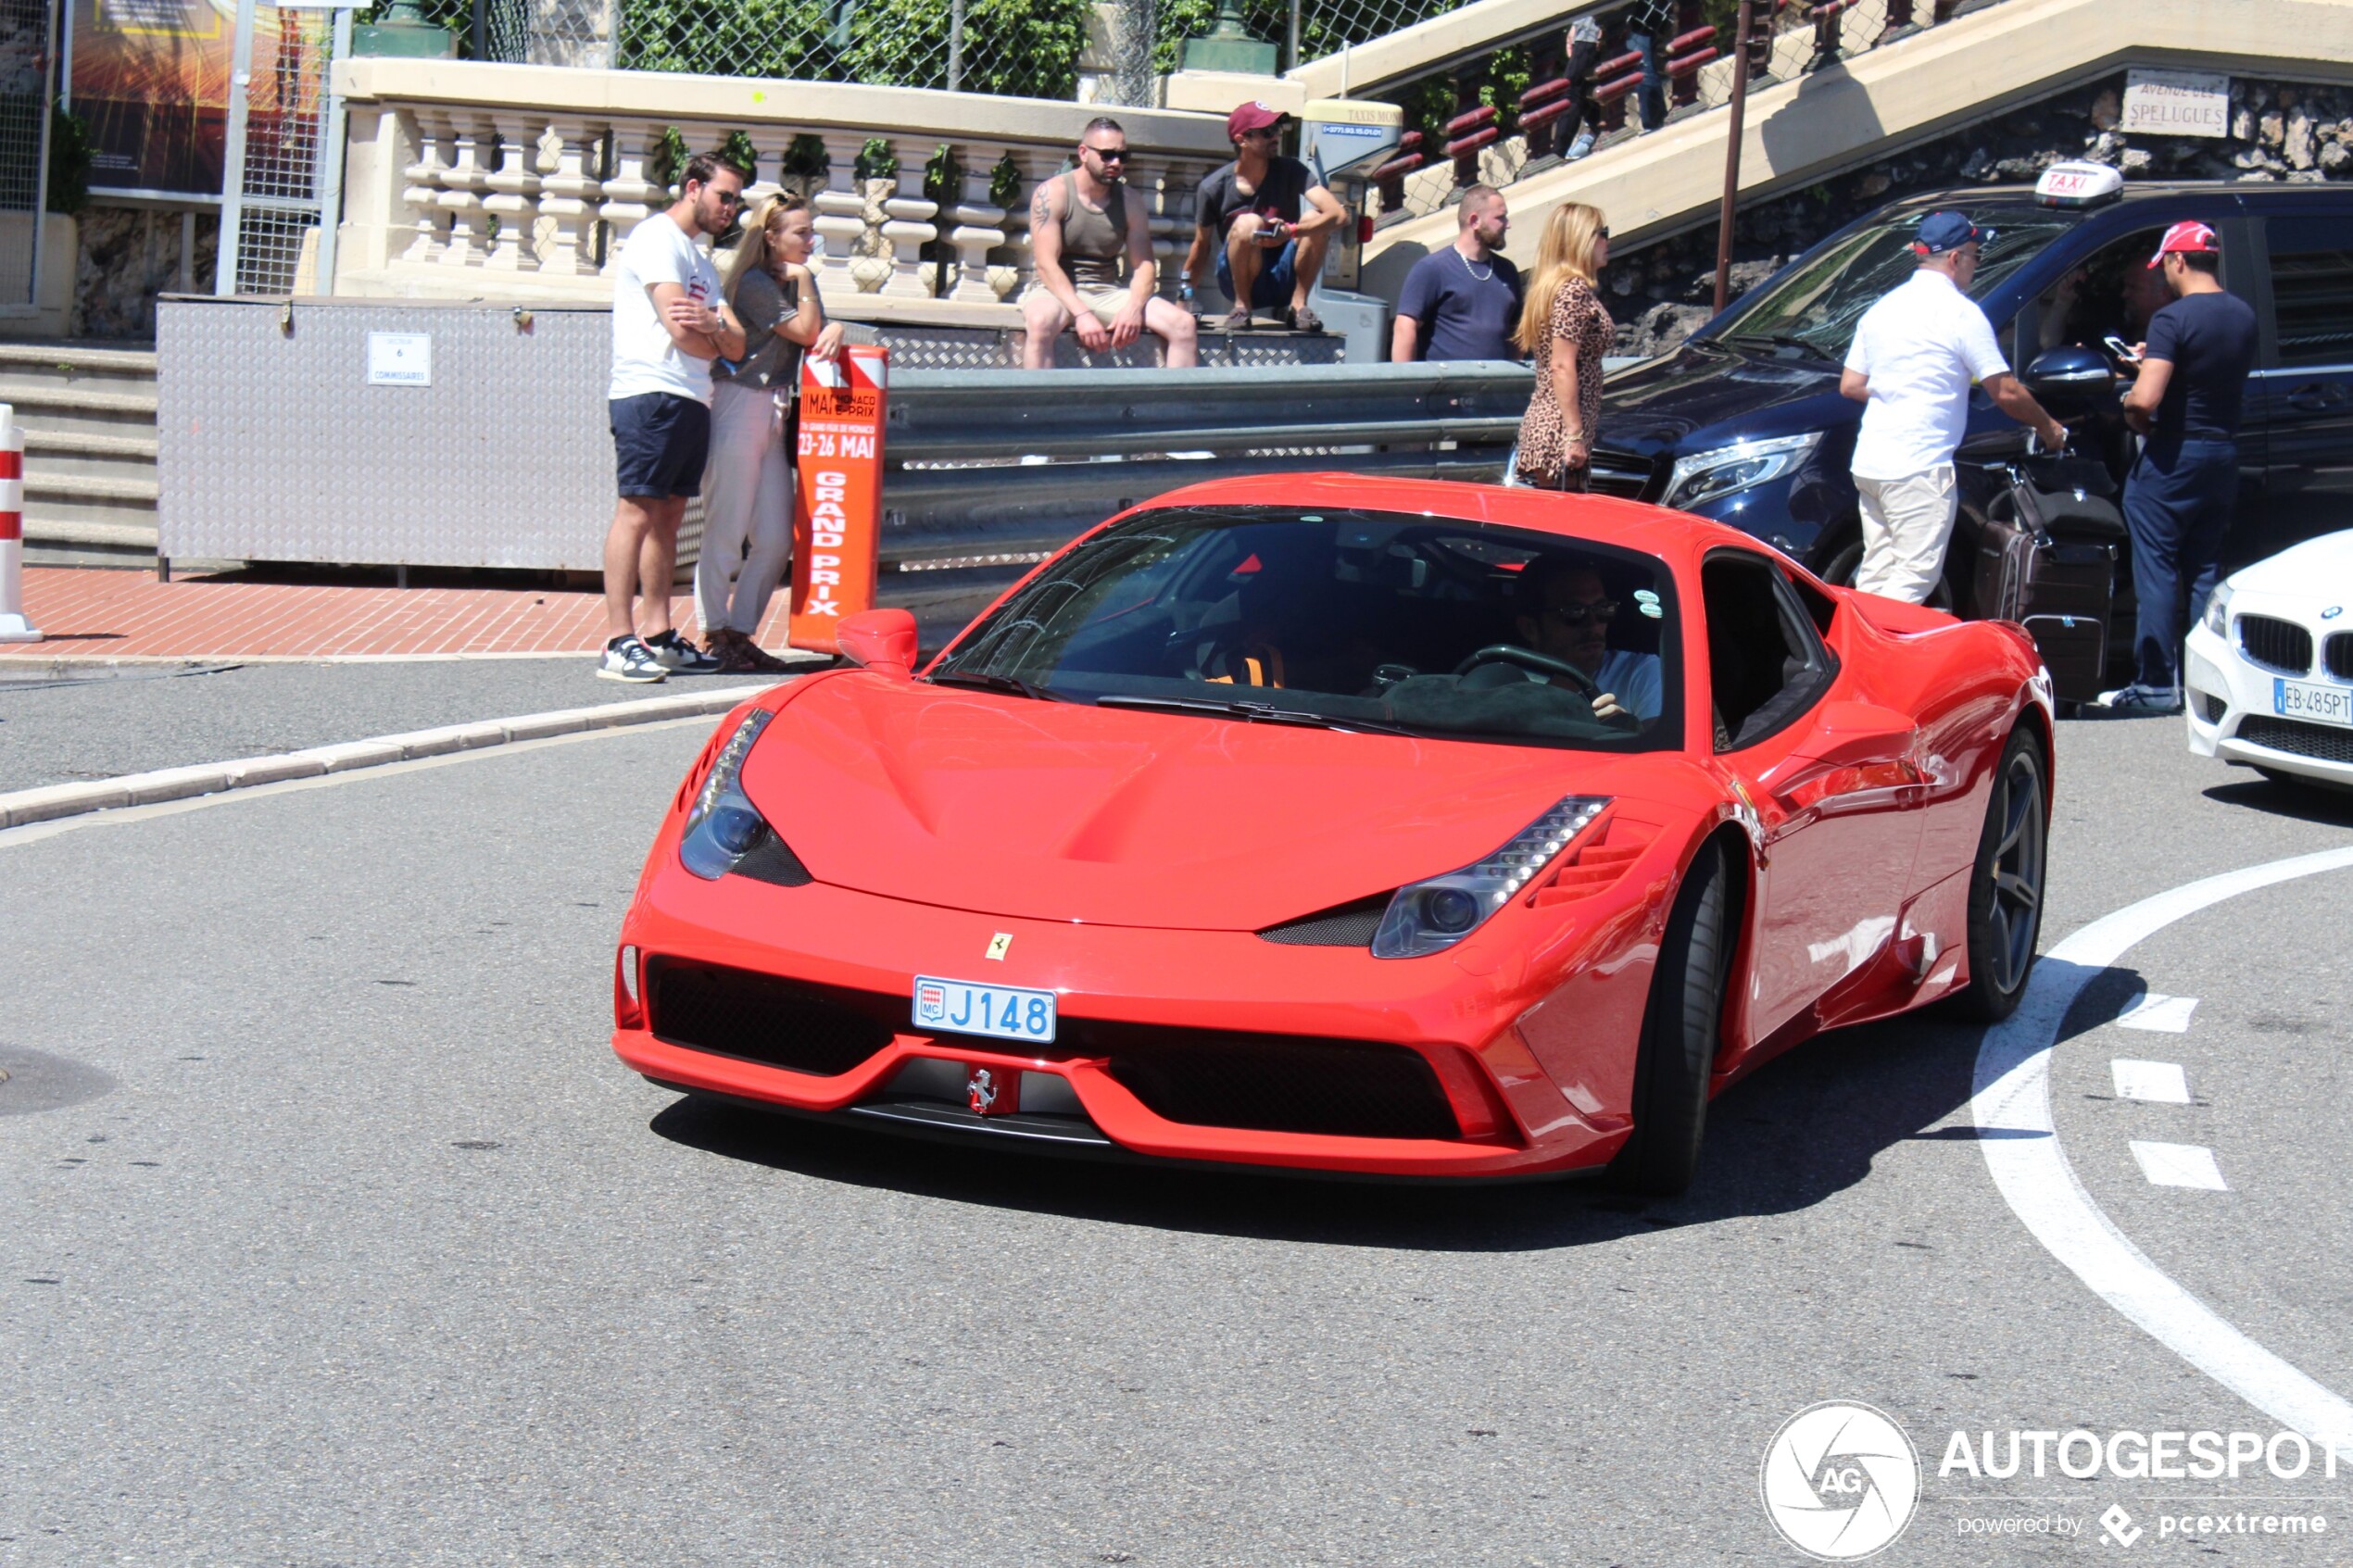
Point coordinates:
[(1599, 519), (2235, 192)]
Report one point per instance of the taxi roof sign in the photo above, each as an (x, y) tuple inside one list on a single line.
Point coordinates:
[(2079, 184)]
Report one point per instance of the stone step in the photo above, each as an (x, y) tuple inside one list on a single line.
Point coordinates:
[(96, 456), (116, 516), (80, 364), (61, 409), (51, 540)]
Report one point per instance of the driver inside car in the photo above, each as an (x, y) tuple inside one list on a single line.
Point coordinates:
[(1564, 612)]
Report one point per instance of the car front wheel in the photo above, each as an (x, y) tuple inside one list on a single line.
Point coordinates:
[(1679, 1033)]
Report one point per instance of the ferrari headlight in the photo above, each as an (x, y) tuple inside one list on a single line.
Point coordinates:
[(1427, 917), (2218, 612), (723, 825), (1710, 476)]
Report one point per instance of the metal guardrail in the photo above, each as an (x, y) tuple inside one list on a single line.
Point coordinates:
[(275, 446), (958, 485)]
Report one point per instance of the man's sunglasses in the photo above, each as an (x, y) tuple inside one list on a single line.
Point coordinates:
[(731, 198), (1110, 155), (1602, 610)]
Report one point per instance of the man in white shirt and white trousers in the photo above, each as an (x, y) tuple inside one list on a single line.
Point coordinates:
[(1916, 354)]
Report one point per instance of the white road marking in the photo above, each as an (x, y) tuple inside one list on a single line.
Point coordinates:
[(2164, 1014), (2161, 1081), (2180, 1165), (2013, 1101)]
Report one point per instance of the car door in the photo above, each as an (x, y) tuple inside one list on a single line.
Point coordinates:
[(2300, 398), (1833, 785)]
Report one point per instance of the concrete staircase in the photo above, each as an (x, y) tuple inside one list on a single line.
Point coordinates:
[(88, 413)]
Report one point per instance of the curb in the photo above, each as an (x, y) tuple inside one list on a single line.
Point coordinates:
[(49, 802)]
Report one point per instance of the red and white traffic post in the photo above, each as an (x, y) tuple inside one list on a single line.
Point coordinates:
[(837, 534), (14, 627)]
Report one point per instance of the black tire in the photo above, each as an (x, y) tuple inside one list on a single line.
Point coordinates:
[(1680, 1034), (2007, 882)]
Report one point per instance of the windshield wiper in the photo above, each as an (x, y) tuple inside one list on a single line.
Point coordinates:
[(1253, 712), (989, 680), (1781, 340)]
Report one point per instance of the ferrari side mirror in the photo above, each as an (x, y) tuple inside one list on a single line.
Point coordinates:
[(881, 640)]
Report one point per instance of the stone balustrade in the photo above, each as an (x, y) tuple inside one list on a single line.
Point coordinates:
[(477, 181)]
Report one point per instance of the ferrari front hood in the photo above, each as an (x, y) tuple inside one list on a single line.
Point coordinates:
[(1048, 811)]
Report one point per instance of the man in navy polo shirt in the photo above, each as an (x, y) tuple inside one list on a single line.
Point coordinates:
[(2177, 498)]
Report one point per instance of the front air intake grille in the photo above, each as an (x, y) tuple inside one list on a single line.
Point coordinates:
[(1273, 1083), (2210, 707), (2278, 644), (2321, 741), (1619, 473), (767, 1019), (2336, 653), (1343, 925)]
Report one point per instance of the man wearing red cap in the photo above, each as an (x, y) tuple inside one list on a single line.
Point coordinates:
[(1268, 220), (2178, 495)]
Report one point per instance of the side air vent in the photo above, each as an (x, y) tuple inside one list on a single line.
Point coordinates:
[(1597, 863), (1342, 925)]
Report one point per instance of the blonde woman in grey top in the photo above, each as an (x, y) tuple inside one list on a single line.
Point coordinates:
[(1092, 249), (748, 482)]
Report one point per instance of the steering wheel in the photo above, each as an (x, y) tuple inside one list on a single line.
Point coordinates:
[(1529, 658)]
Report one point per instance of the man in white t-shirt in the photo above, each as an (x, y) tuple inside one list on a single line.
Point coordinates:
[(1916, 354), (669, 322)]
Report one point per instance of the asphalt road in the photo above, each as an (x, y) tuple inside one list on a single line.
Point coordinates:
[(331, 1233)]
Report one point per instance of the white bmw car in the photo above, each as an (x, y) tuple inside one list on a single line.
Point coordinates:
[(2270, 673)]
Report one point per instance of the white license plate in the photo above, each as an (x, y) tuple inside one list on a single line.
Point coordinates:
[(1001, 1013), (2315, 704)]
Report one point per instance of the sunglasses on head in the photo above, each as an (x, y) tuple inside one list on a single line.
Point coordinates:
[(1601, 610)]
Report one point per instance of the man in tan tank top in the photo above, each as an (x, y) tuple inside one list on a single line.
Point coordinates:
[(1084, 233)]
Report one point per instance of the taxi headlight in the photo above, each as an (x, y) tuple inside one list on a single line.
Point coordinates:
[(2218, 612), (1428, 916), (1710, 476), (723, 825)]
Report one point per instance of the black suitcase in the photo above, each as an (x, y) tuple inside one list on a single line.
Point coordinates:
[(2048, 562)]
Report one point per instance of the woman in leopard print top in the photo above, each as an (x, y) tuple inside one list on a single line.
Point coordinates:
[(1563, 324)]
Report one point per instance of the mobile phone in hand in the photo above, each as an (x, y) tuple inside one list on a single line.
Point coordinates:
[(2121, 349)]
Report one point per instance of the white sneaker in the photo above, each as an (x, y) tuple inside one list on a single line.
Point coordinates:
[(675, 653), (628, 658)]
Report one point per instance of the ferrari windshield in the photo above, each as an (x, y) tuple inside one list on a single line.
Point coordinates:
[(1347, 620), (1814, 309)]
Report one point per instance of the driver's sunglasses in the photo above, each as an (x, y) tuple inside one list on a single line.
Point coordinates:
[(1110, 155), (1601, 610)]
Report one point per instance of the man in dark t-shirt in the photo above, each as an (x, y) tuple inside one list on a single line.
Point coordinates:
[(1268, 218), (1462, 302), (2177, 498)]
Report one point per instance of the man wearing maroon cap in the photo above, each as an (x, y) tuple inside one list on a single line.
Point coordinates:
[(2178, 495), (1268, 220)]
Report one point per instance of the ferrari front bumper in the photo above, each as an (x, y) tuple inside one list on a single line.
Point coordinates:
[(1499, 1113)]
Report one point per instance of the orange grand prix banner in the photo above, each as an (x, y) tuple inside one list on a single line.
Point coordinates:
[(837, 530)]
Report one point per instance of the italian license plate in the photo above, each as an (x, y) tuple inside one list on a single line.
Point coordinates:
[(2315, 704), (1002, 1012)]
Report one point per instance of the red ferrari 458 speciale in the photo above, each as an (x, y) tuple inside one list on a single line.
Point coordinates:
[(1362, 825)]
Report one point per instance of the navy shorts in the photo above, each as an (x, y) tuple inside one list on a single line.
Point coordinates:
[(1276, 277), (662, 441)]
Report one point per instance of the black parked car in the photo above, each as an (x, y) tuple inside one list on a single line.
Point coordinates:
[(1745, 422)]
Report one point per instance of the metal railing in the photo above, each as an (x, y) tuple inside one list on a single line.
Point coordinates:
[(1009, 462)]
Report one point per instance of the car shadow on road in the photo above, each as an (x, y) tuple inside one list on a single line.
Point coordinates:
[(2305, 803), (1799, 1129)]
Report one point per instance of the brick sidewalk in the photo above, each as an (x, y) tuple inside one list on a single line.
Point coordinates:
[(102, 614)]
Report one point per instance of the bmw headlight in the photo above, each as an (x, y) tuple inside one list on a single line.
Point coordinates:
[(1427, 917), (2218, 612), (723, 825), (1711, 475)]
